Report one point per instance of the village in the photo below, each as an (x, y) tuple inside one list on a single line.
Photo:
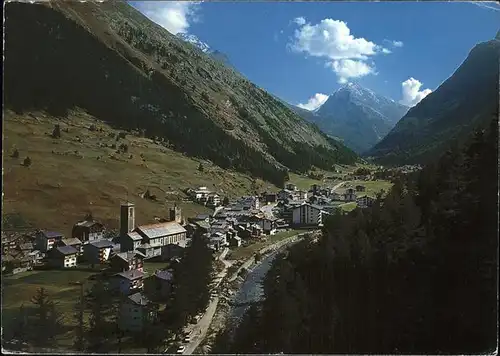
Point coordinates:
[(121, 256)]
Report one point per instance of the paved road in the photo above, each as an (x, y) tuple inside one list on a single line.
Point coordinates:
[(199, 330), (222, 258)]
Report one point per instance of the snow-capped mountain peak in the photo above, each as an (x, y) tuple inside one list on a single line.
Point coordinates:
[(357, 115), (194, 40), (205, 48)]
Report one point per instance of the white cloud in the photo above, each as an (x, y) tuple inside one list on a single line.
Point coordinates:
[(348, 68), (174, 16), (300, 21), (394, 43), (412, 93), (332, 39), (314, 102), (489, 5)]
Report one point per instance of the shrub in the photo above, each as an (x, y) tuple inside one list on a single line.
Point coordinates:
[(15, 153), (362, 172), (123, 147), (27, 162), (56, 133)]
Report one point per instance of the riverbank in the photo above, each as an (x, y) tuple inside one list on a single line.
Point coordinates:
[(233, 286), (251, 260)]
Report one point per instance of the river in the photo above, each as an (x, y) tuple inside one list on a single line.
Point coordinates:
[(251, 289)]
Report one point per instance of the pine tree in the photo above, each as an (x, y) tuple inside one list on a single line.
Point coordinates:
[(27, 162), (56, 133), (194, 274), (222, 343), (79, 312), (102, 315), (154, 336), (47, 322), (22, 331)]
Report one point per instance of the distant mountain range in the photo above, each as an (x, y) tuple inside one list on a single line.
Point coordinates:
[(205, 48), (467, 100), (356, 115)]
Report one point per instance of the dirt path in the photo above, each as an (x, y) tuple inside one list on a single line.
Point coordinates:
[(338, 186)]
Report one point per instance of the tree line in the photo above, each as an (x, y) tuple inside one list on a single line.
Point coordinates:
[(415, 273)]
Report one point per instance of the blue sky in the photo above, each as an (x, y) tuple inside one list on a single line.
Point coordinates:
[(304, 51)]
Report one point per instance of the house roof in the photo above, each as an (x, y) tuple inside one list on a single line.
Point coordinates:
[(203, 224), (51, 234), (26, 246), (164, 275), (161, 229), (131, 275), (129, 255), (319, 207), (67, 250), (71, 241), (139, 299), (218, 237), (134, 236), (101, 243), (87, 223), (202, 216)]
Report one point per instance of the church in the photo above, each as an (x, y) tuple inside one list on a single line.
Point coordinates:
[(163, 240)]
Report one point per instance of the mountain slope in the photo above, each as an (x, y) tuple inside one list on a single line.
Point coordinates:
[(466, 100), (304, 113), (205, 48), (116, 64), (358, 116)]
